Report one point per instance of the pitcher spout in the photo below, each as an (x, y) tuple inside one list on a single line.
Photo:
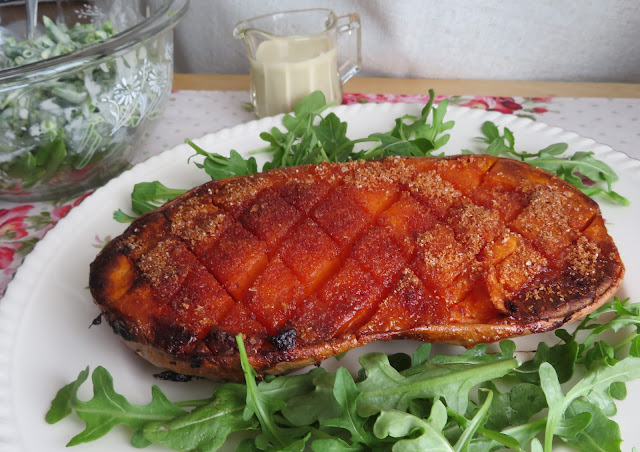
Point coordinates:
[(239, 31)]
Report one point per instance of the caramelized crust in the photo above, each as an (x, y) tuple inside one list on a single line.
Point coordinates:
[(308, 262)]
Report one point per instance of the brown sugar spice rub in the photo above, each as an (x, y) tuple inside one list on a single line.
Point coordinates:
[(308, 262)]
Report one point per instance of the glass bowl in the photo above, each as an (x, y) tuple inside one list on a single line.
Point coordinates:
[(77, 96)]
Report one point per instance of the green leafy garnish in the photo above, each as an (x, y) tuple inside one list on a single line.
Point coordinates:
[(107, 408), (413, 136), (475, 401), (220, 167), (208, 425), (264, 406), (593, 388), (385, 388), (307, 138), (310, 137), (147, 196), (581, 169)]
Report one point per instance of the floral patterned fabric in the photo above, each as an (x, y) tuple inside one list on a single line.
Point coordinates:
[(527, 107), (21, 227)]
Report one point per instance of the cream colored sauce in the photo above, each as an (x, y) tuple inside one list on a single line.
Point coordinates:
[(287, 69)]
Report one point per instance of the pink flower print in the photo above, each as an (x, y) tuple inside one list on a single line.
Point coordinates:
[(12, 222), (60, 212), (507, 105), (539, 110), (101, 242), (501, 104), (359, 98), (6, 256), (477, 103)]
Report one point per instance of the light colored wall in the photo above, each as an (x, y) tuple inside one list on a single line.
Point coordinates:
[(579, 40)]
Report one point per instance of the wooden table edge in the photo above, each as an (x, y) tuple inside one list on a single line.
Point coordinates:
[(227, 82)]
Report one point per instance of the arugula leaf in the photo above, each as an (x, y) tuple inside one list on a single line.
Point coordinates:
[(626, 316), (64, 401), (205, 428), (592, 386), (412, 136), (310, 106), (475, 423), (306, 136), (291, 386), (107, 408), (576, 169), (336, 445), (219, 167), (515, 438), (297, 411), (148, 196), (562, 356), (122, 217), (421, 354), (438, 125), (263, 407), (514, 407), (385, 388), (601, 434), (570, 427), (389, 145), (346, 394), (311, 138), (332, 134), (422, 434), (478, 354)]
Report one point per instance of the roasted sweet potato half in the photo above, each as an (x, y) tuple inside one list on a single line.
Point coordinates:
[(307, 262)]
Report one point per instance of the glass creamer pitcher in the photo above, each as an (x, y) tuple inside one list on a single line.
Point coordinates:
[(294, 53)]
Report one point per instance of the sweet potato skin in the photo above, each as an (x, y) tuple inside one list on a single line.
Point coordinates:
[(308, 262)]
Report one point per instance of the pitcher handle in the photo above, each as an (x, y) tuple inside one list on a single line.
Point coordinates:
[(349, 26)]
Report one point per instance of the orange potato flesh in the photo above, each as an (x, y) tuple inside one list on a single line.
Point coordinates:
[(311, 254), (237, 260), (405, 220), (408, 302), (347, 299), (270, 218), (341, 216), (275, 295), (377, 252)]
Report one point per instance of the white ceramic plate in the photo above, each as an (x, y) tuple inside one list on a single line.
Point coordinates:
[(45, 339)]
